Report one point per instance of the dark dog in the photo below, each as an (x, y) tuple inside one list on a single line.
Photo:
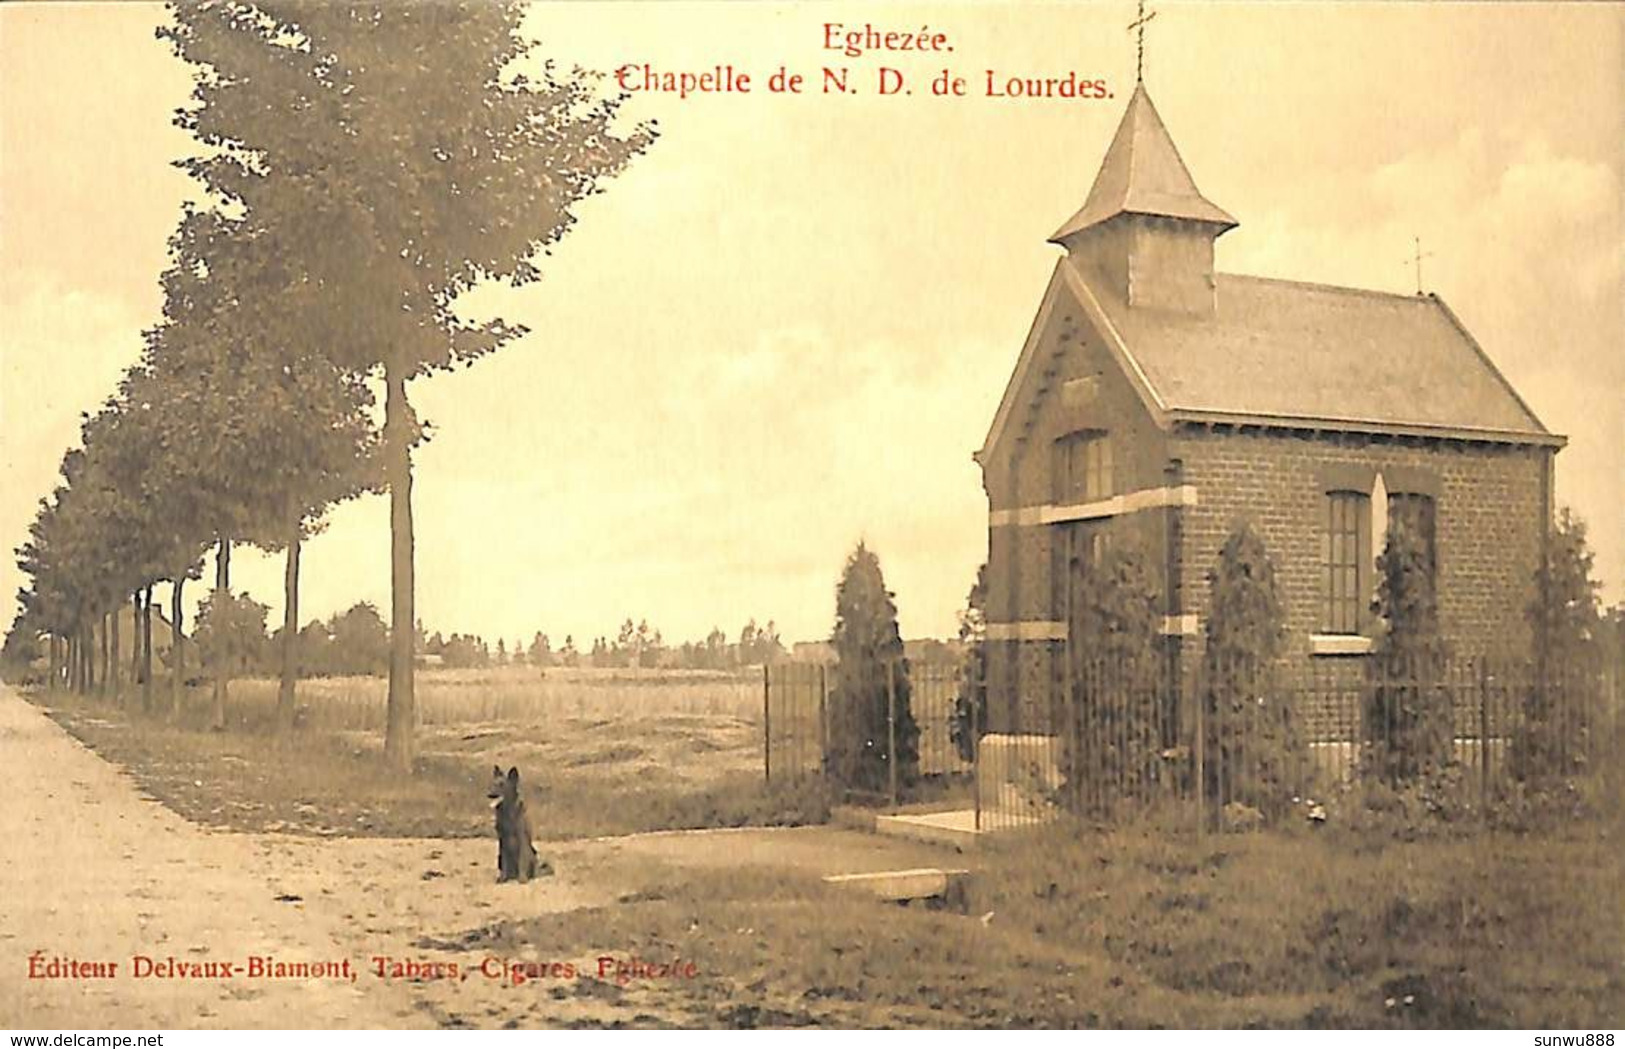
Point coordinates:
[(516, 856)]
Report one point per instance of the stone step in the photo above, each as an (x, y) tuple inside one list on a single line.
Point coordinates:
[(956, 829), (920, 883)]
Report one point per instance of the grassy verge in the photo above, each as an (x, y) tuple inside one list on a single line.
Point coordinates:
[(1492, 930), (1144, 931), (335, 783)]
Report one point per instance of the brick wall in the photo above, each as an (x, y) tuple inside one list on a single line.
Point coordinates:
[(1022, 559), (1490, 502)]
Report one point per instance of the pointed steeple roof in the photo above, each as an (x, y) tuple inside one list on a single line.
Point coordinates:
[(1143, 175)]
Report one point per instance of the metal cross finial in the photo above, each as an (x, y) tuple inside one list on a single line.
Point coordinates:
[(1416, 260), (1138, 25)]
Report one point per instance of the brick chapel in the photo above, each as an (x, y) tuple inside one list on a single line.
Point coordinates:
[(1159, 402)]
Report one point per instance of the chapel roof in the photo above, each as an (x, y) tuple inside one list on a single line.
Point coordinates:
[(1143, 174), (1291, 351), (1296, 355)]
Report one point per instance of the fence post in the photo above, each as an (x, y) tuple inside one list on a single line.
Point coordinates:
[(978, 694), (1199, 706), (823, 717), (891, 730), (767, 727), (1483, 732)]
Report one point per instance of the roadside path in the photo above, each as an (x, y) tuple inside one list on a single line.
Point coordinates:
[(93, 871)]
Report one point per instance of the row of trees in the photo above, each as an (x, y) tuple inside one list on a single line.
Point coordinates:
[(634, 646), (361, 167)]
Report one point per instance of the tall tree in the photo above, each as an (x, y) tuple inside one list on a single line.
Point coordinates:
[(269, 431), (403, 154)]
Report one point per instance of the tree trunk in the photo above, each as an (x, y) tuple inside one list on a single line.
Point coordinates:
[(113, 668), (286, 696), (177, 654), (102, 668), (72, 657), (400, 746), (222, 665), (135, 639), (146, 649)]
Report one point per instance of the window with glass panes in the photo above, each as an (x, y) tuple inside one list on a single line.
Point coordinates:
[(1083, 471), (1344, 555)]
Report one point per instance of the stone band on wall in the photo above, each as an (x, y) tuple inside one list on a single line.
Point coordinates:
[(1116, 506), (1027, 630), (1180, 626), (1055, 630)]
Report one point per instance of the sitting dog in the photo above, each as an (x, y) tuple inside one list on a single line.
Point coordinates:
[(516, 856)]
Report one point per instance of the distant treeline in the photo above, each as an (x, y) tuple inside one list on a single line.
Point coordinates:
[(635, 645), (356, 642)]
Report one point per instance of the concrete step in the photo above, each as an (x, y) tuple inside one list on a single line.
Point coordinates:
[(955, 829), (920, 883)]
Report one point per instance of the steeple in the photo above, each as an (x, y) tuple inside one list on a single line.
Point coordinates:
[(1145, 227)]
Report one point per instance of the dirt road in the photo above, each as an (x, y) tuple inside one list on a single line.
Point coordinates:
[(98, 877)]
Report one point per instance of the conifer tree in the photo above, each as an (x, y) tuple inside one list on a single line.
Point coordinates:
[(1113, 739), (869, 654), (1408, 713), (1253, 744), (1566, 624)]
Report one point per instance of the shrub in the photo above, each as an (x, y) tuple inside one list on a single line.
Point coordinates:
[(1407, 711), (1255, 755), (1119, 722), (230, 631), (1438, 802), (970, 706), (1565, 624), (868, 657)]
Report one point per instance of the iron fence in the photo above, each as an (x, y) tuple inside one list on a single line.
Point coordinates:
[(891, 736), (1210, 743)]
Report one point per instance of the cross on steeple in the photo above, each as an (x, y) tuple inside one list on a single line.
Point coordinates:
[(1416, 260), (1138, 26)]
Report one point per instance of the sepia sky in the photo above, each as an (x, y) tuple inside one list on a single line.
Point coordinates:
[(788, 325)]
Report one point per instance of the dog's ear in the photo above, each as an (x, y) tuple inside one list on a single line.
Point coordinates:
[(513, 774), (496, 770)]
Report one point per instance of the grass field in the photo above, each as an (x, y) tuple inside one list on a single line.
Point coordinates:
[(1133, 930), (601, 752), (516, 694)]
